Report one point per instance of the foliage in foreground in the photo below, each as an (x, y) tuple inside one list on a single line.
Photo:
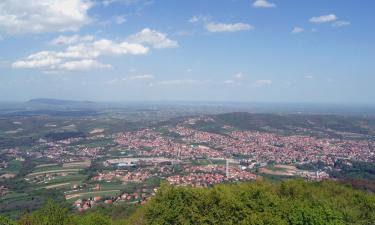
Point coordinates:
[(291, 202)]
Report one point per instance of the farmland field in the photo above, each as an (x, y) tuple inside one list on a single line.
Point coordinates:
[(54, 172), (92, 194)]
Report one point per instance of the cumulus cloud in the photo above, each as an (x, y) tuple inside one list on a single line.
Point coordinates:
[(263, 4), (120, 19), (50, 62), (323, 19), (341, 23), (215, 27), (153, 38), (82, 65), (309, 77), (38, 60), (102, 47), (38, 16), (297, 30), (86, 49), (84, 53), (68, 40), (227, 27), (109, 47)]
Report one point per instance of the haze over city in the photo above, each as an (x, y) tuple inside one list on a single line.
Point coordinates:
[(151, 50), (149, 112)]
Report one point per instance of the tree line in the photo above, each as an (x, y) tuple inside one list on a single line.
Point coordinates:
[(294, 202)]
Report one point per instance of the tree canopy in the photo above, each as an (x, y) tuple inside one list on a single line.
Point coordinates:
[(295, 202)]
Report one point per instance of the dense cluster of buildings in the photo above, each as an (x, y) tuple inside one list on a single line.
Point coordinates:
[(138, 197), (176, 156), (122, 175), (203, 176)]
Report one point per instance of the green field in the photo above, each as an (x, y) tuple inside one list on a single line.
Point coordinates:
[(69, 180), (13, 196), (111, 186), (77, 195), (54, 171), (14, 166), (47, 168)]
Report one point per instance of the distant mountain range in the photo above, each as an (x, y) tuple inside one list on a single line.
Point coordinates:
[(57, 102)]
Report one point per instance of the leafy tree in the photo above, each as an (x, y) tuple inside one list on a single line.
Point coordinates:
[(295, 202), (6, 221)]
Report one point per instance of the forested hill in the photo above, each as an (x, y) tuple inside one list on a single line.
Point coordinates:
[(289, 202)]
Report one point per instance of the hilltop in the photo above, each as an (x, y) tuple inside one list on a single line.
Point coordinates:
[(290, 202)]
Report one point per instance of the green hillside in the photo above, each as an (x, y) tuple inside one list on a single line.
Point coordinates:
[(290, 202)]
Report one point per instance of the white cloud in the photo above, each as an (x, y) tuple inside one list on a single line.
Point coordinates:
[(297, 30), (83, 53), (111, 48), (49, 61), (309, 77), (80, 51), (86, 50), (227, 27), (199, 18), (38, 16), (260, 83), (154, 38), (341, 23), (68, 40), (215, 27), (120, 19), (38, 60), (194, 19), (82, 65), (103, 47), (323, 19), (263, 4)]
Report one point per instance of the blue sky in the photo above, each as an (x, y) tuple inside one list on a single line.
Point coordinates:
[(320, 51)]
